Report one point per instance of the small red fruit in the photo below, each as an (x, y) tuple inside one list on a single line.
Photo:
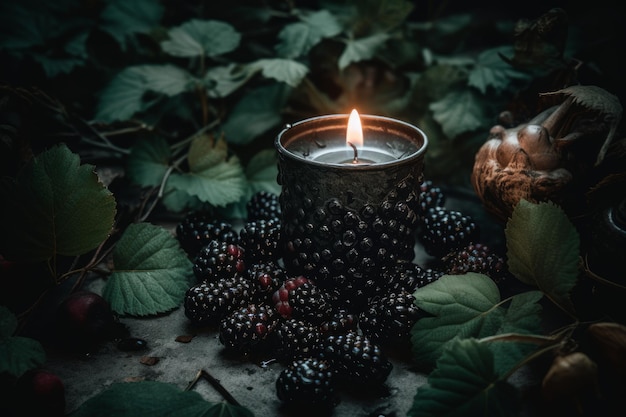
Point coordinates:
[(39, 393), (83, 320)]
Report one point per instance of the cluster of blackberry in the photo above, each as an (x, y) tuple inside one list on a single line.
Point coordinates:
[(322, 339)]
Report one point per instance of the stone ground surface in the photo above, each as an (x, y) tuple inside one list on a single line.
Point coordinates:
[(250, 382)]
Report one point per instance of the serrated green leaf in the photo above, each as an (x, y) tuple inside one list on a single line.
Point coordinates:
[(155, 399), (297, 39), (323, 24), (17, 354), (293, 40), (205, 152), (283, 70), (523, 316), (20, 354), (214, 177), (256, 113), (361, 49), (492, 71), (151, 274), (463, 306), (125, 94), (55, 206), (223, 80), (201, 37), (464, 383), (121, 18), (148, 162), (459, 112), (179, 201), (543, 249), (217, 186), (75, 55)]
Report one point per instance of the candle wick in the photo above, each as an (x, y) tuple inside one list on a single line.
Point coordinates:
[(355, 160)]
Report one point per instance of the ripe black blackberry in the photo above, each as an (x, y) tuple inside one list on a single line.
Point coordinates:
[(475, 257), (431, 196), (262, 240), (198, 228), (356, 358), (208, 302), (263, 205), (445, 230), (297, 338), (266, 277), (248, 328), (308, 384), (408, 277), (300, 298), (219, 259), (341, 321), (389, 319)]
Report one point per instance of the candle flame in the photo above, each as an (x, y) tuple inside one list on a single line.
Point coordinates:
[(354, 135)]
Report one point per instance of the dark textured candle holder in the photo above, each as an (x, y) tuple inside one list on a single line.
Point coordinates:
[(342, 223)]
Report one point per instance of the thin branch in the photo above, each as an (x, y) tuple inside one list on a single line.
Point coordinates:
[(215, 383)]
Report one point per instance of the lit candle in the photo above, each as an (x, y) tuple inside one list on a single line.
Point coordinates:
[(325, 142), (349, 198)]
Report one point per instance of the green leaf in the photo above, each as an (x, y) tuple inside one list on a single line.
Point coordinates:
[(124, 95), (294, 40), (458, 112), (152, 272), (17, 354), (201, 37), (283, 70), (492, 71), (361, 49), (523, 316), (155, 399), (214, 177), (55, 206), (297, 39), (8, 323), (543, 249), (464, 383), (223, 80), (148, 162), (122, 18), (463, 306), (256, 113), (74, 55), (322, 23)]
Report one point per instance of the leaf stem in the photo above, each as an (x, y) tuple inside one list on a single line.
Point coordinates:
[(187, 140), (215, 383)]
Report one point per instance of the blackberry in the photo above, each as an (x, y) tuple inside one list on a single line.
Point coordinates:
[(341, 321), (475, 257), (390, 318), (431, 196), (266, 277), (307, 383), (446, 230), (219, 259), (198, 228), (408, 277), (263, 205), (248, 328), (300, 298), (297, 338), (261, 239), (356, 358), (209, 301)]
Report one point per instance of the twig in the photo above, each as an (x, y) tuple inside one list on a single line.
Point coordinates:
[(215, 384)]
